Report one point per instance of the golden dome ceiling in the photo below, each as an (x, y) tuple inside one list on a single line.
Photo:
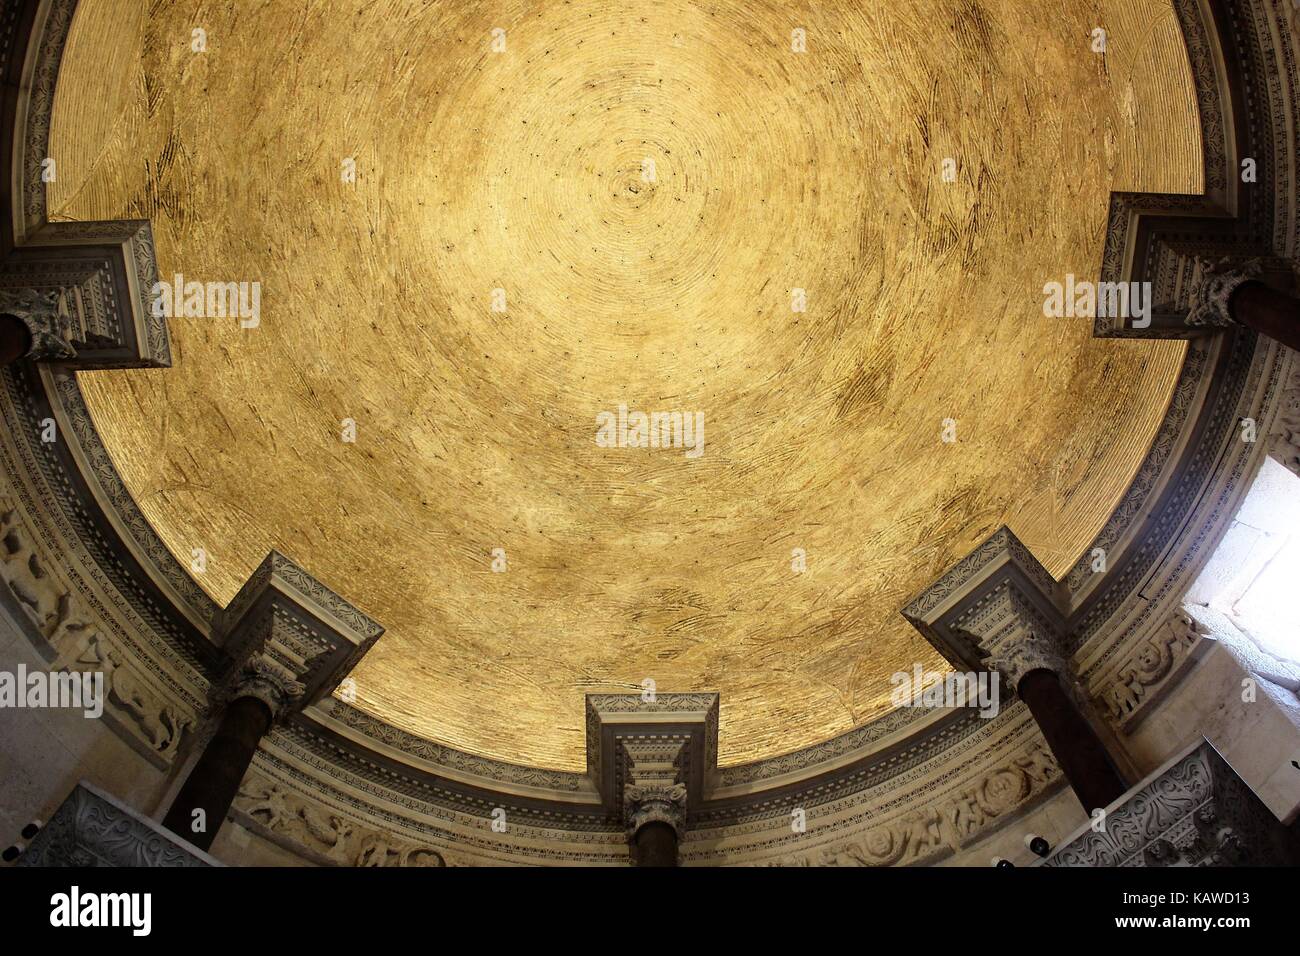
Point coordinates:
[(522, 171)]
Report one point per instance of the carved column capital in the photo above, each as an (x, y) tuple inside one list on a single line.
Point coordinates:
[(271, 682), (1010, 629), (1212, 287), (657, 803), (653, 790), (46, 319), (1029, 649)]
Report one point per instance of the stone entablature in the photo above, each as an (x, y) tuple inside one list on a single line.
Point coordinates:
[(81, 561), (923, 809), (1193, 811), (290, 639), (91, 828)]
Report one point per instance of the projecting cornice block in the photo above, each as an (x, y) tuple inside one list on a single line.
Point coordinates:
[(290, 639), (998, 606), (624, 730), (103, 274)]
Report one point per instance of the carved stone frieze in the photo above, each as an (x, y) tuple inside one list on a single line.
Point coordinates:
[(91, 828), (948, 822), (1194, 811), (340, 841), (1284, 436), (421, 751), (1147, 668), (81, 644)]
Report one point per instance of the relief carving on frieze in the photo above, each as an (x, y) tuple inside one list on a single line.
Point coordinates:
[(80, 644), (1147, 667), (1284, 437), (947, 826), (339, 840), (1195, 811)]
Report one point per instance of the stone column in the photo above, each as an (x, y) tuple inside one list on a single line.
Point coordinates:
[(1030, 664), (289, 641), (651, 759), (15, 339), (203, 802), (654, 800), (998, 611), (1225, 294)]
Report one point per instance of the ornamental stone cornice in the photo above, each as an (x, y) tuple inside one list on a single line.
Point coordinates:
[(290, 639), (997, 609)]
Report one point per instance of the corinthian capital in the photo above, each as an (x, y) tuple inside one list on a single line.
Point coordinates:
[(653, 790), (1212, 287), (1029, 649), (270, 682), (655, 803), (47, 324)]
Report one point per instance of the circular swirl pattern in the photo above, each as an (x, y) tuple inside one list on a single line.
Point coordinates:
[(626, 205)]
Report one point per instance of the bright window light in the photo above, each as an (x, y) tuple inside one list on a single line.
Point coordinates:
[(1254, 576)]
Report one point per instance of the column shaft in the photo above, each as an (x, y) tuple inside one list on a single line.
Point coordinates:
[(214, 781), (1074, 743), (1268, 312), (656, 845), (15, 339)]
